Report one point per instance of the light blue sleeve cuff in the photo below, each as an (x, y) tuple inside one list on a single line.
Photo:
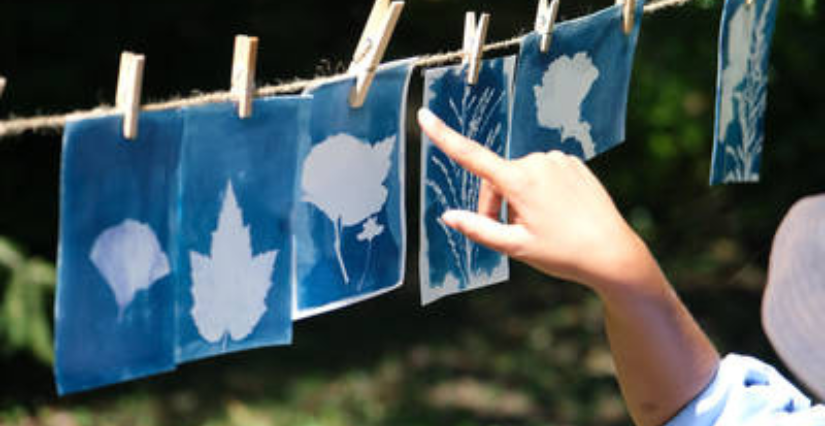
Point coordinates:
[(746, 391)]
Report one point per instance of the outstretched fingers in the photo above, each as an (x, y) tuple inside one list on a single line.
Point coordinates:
[(497, 177), (477, 159)]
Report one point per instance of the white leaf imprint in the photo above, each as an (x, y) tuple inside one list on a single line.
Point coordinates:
[(344, 178), (230, 285), (743, 90), (370, 230), (738, 46), (130, 259), (559, 98), (477, 114)]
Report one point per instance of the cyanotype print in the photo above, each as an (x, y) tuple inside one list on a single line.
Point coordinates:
[(573, 98), (114, 311), (237, 183), (741, 93), (353, 194), (449, 262), (350, 231)]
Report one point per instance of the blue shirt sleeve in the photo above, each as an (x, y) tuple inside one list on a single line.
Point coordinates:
[(748, 392)]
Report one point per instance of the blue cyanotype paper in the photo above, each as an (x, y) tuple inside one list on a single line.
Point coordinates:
[(448, 261), (237, 180), (350, 230), (573, 98), (741, 92), (114, 310)]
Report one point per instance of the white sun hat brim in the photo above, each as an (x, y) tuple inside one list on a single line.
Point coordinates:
[(793, 307)]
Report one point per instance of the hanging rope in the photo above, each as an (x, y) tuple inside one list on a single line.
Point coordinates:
[(56, 122)]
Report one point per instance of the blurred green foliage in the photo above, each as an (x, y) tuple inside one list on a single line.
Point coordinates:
[(25, 302), (528, 352)]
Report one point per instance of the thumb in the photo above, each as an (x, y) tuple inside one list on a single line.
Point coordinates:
[(491, 233)]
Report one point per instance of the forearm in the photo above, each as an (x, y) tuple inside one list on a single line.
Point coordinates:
[(564, 223), (663, 359)]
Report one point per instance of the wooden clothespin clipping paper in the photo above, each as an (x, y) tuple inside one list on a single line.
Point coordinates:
[(371, 47), (629, 12), (545, 20), (129, 86), (474, 37), (243, 73)]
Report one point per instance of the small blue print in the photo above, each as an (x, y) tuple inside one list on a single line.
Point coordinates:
[(349, 225), (742, 83), (573, 98), (449, 262)]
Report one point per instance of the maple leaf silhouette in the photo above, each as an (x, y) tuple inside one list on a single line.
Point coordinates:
[(344, 178), (559, 98), (230, 285)]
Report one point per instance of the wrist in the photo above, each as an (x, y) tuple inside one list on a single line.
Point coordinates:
[(630, 272)]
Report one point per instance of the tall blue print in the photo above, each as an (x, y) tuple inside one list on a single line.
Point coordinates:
[(349, 223), (449, 262), (114, 312), (237, 180), (741, 94)]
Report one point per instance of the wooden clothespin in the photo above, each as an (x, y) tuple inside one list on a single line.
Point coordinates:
[(243, 73), (371, 47), (545, 20), (2, 85), (129, 86), (629, 12), (474, 37)]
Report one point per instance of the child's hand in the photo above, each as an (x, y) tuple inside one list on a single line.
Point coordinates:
[(562, 221)]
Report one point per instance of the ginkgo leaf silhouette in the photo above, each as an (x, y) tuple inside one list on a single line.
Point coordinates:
[(344, 178), (229, 286), (130, 258), (560, 95)]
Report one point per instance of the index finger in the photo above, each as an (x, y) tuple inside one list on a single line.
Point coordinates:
[(474, 157)]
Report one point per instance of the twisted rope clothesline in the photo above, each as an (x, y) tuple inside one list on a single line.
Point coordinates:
[(19, 126)]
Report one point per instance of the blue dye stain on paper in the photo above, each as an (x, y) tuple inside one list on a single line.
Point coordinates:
[(449, 262), (237, 182), (573, 98), (350, 224), (114, 310), (741, 92)]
